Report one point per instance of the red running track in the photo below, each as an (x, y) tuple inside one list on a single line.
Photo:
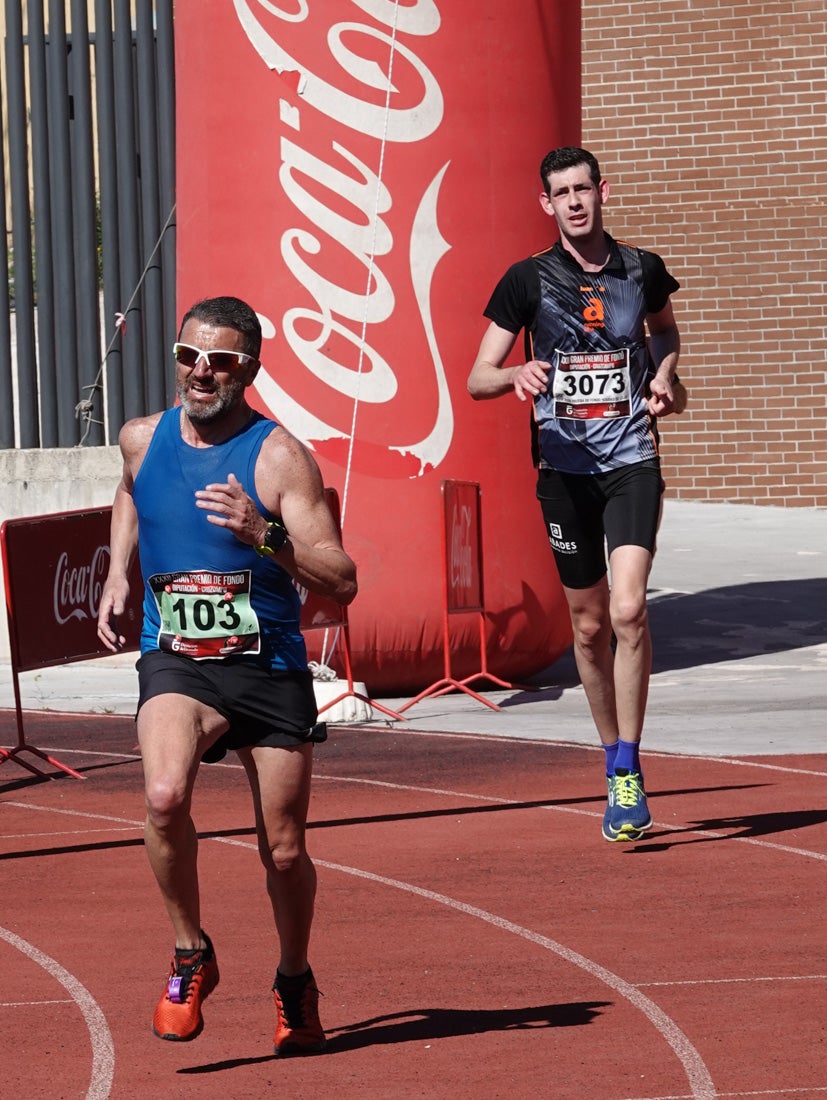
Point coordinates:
[(475, 936)]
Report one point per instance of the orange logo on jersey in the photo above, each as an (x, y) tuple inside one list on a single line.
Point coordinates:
[(593, 314)]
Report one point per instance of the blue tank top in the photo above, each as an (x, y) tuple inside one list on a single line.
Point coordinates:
[(206, 594)]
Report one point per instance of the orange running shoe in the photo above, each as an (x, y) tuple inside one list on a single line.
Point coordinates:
[(298, 1027), (193, 976)]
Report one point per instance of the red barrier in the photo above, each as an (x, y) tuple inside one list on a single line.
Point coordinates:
[(54, 568), (320, 612), (462, 583)]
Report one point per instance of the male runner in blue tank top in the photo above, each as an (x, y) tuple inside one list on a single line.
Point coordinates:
[(598, 324), (228, 510)]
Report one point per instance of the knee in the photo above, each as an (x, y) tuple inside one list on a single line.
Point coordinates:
[(591, 635), (167, 802), (282, 854), (629, 617)]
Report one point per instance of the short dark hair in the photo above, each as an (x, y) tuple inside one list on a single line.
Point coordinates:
[(228, 312), (568, 156)]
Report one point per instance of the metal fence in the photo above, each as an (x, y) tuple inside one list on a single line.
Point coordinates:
[(88, 309)]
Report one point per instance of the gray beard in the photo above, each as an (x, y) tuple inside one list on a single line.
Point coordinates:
[(226, 397)]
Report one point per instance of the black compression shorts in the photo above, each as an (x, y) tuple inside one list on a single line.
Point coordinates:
[(586, 515), (263, 706)]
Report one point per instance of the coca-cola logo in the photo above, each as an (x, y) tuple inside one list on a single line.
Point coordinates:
[(357, 229), (77, 588)]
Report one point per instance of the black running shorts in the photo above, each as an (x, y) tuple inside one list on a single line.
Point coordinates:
[(263, 706), (587, 516)]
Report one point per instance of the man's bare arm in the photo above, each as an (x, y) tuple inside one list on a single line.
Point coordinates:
[(664, 347), (489, 378)]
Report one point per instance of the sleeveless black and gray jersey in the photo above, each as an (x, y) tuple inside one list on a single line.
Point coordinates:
[(589, 326)]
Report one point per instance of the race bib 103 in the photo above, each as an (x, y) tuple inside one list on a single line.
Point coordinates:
[(206, 614)]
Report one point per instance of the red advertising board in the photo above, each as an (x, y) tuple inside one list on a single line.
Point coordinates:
[(463, 550), (54, 569), (462, 571), (363, 176)]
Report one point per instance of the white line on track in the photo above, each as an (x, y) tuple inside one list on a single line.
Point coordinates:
[(697, 1074), (774, 1094), (700, 1081), (33, 1004), (125, 821), (736, 981), (574, 810), (709, 833), (504, 740), (103, 1050), (69, 832), (558, 743)]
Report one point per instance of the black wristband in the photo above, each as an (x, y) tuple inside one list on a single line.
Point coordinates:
[(274, 539)]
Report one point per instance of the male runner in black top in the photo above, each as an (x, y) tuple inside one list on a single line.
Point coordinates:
[(598, 327)]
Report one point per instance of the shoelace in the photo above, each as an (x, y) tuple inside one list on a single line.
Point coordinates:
[(180, 983), (294, 1003), (628, 790), (293, 1007)]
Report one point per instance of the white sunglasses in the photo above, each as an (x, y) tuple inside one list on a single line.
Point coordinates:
[(189, 356)]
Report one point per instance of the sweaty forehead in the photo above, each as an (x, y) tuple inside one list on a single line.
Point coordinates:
[(201, 334)]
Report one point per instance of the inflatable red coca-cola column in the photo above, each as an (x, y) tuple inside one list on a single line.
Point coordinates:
[(362, 172)]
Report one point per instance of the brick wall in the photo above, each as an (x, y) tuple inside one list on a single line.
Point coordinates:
[(710, 121)]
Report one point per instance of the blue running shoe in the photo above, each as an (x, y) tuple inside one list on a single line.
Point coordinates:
[(635, 834), (607, 816), (627, 815)]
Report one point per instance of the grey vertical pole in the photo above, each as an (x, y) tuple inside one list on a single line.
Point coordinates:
[(84, 206), (110, 239), (150, 221), (43, 250), (60, 178), (6, 383), (128, 169), (165, 68), (21, 229)]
